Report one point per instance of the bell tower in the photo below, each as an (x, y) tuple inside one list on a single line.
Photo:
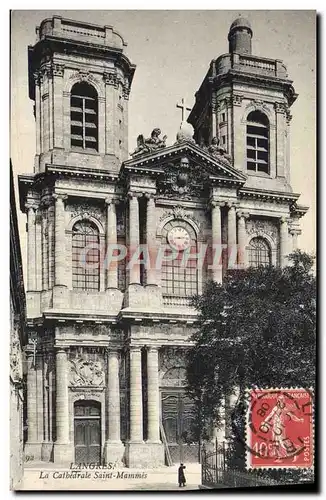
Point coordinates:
[(79, 79), (244, 101)]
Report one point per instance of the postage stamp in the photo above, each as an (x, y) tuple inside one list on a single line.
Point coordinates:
[(279, 431)]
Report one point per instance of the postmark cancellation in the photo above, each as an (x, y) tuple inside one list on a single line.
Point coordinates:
[(279, 428)]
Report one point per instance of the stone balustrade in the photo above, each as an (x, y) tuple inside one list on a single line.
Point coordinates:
[(174, 301)]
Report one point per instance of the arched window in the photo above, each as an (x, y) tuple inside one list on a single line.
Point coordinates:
[(257, 142), (259, 253), (84, 117), (85, 256), (179, 275)]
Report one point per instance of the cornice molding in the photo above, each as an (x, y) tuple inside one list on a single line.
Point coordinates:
[(272, 195)]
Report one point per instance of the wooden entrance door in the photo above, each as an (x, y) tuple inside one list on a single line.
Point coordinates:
[(177, 415), (87, 426)]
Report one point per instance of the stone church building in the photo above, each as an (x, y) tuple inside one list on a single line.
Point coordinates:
[(119, 242)]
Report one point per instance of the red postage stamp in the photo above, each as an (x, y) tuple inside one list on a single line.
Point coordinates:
[(279, 428)]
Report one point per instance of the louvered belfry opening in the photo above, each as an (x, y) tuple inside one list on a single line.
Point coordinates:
[(84, 117), (258, 142)]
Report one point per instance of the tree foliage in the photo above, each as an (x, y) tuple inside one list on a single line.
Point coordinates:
[(256, 329)]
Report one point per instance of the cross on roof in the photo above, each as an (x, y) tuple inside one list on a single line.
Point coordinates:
[(183, 108)]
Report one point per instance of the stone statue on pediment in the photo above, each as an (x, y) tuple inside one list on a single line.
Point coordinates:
[(152, 143), (218, 151)]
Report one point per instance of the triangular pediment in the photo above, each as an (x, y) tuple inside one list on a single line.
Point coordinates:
[(200, 163)]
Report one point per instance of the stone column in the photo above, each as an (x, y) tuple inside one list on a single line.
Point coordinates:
[(31, 249), (134, 272), (153, 403), (242, 239), (33, 447), (136, 401), (295, 233), (114, 449), (232, 236), (111, 243), (219, 432), (284, 239), (151, 240), (62, 448), (62, 408), (113, 396), (216, 242)]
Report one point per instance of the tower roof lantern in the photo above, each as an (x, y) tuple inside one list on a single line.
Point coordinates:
[(238, 24)]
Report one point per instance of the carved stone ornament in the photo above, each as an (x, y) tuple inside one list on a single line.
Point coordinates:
[(86, 372), (16, 364), (151, 144), (83, 75), (288, 117), (126, 89), (280, 107), (262, 228), (259, 104), (185, 133), (110, 79), (237, 100), (182, 179), (85, 211), (58, 70), (170, 358)]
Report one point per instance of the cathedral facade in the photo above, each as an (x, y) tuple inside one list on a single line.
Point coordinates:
[(117, 245)]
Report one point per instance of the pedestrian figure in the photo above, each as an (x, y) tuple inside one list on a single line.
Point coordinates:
[(181, 476)]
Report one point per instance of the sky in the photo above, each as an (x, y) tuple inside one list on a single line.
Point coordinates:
[(172, 50)]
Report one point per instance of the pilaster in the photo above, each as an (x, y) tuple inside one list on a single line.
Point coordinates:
[(134, 271), (280, 110), (60, 289), (110, 112), (33, 445), (151, 240), (31, 247), (111, 245), (58, 116), (217, 267)]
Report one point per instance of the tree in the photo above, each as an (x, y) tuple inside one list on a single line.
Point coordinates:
[(256, 329)]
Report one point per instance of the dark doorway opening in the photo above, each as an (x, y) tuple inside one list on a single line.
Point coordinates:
[(87, 432)]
